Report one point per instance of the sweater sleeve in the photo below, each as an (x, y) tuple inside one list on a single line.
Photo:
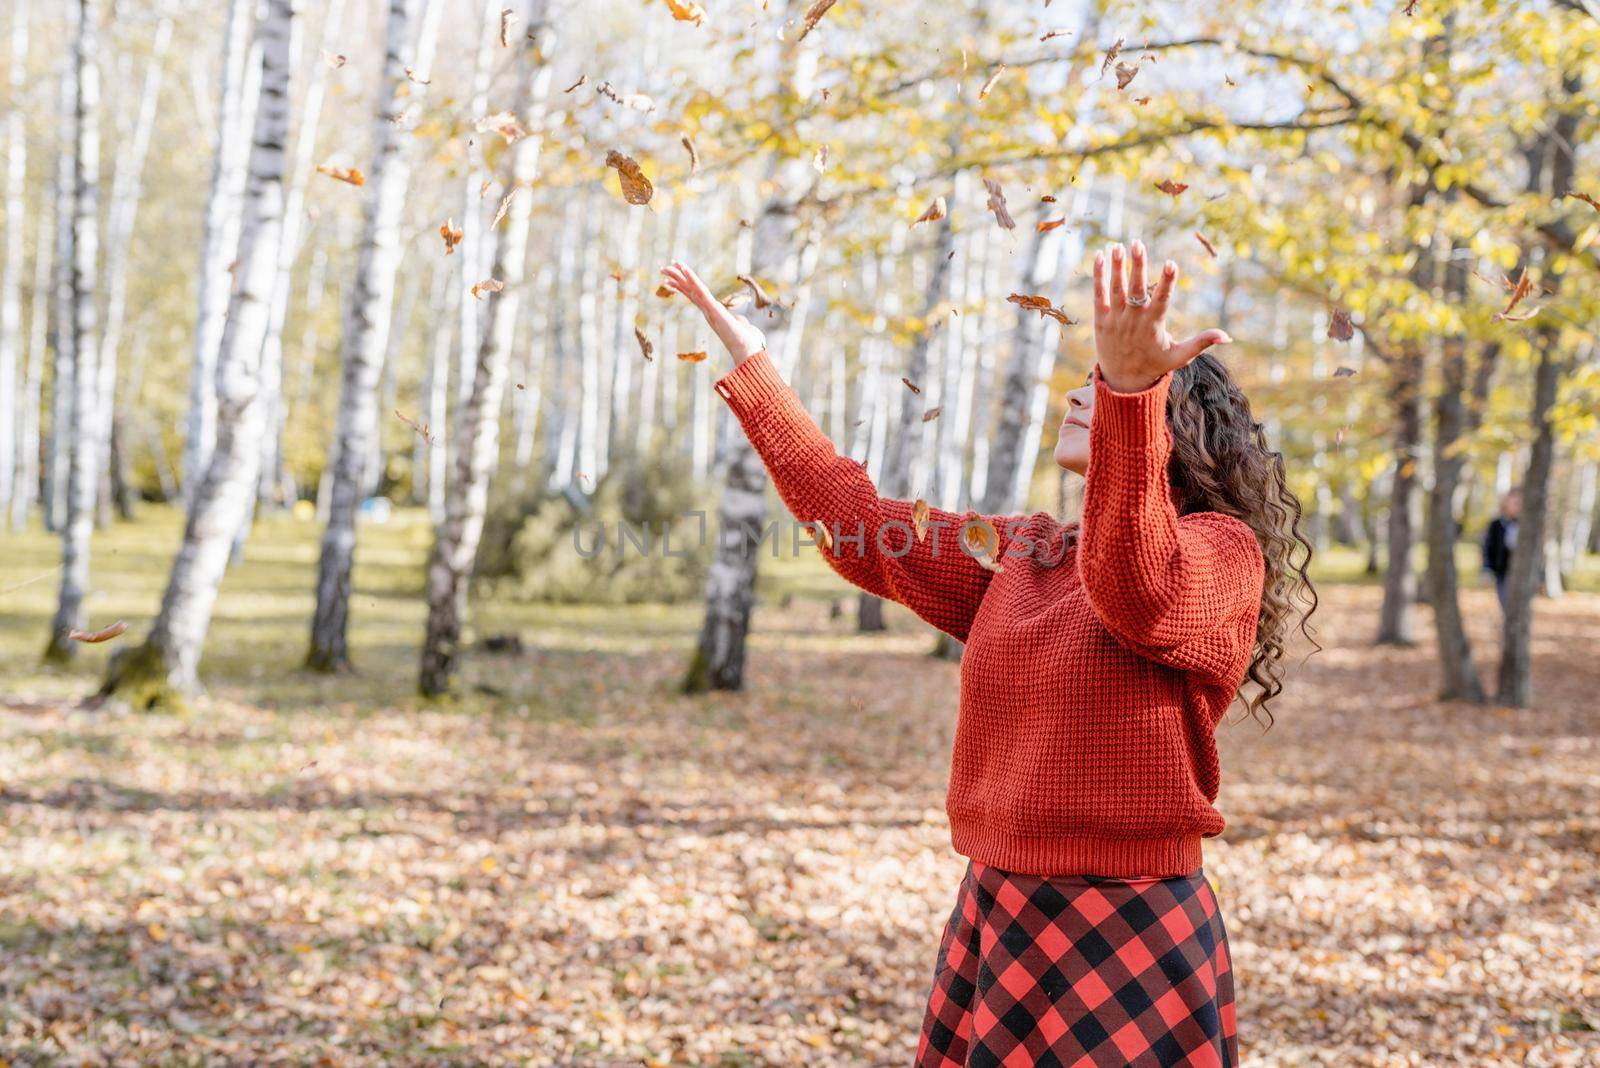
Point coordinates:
[(874, 542), (1182, 591)]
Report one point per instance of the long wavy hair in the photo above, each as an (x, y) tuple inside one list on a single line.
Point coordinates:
[(1221, 462)]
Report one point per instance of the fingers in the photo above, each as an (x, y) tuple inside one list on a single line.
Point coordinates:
[(1163, 293), (1102, 300), (1119, 277), (1138, 283), (1187, 350)]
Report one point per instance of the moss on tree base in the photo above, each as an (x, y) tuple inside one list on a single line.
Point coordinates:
[(139, 677)]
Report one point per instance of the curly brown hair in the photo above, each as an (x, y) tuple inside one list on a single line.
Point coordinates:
[(1221, 462)]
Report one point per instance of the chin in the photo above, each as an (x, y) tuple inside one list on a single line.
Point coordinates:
[(1071, 459)]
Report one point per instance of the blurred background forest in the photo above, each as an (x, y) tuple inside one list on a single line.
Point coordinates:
[(323, 327)]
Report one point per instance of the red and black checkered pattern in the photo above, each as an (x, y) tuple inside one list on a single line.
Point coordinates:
[(1079, 972)]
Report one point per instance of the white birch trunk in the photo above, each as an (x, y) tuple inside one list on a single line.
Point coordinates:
[(273, 490), (166, 666), (27, 492), (366, 329), (11, 278), (434, 454), (218, 243), (477, 429), (474, 258), (78, 527), (58, 455)]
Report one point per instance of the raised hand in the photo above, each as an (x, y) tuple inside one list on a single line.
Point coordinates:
[(738, 336), (1130, 331)]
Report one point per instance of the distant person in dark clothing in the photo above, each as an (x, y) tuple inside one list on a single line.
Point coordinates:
[(1500, 541)]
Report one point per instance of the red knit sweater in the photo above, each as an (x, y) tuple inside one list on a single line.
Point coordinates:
[(1096, 668)]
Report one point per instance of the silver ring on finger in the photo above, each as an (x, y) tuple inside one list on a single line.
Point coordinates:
[(1138, 302)]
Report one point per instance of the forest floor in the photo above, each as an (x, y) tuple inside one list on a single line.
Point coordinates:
[(575, 865)]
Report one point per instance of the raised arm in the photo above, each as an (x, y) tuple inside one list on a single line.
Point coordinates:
[(1178, 590), (874, 540)]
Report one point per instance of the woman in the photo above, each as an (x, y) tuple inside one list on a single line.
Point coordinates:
[(1100, 657)]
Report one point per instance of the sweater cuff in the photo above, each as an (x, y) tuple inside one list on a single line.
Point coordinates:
[(1131, 419), (753, 385)]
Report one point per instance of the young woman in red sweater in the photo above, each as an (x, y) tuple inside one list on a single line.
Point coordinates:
[(1100, 657)]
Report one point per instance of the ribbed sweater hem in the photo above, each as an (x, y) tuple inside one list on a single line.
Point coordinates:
[(1119, 858)]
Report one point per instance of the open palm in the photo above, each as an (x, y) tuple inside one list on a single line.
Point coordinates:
[(1130, 322), (738, 336)]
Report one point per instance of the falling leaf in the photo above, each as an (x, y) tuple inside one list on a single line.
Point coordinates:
[(934, 212), (1519, 292), (1111, 56), (507, 17), (1585, 197), (505, 206), (1206, 244), (687, 11), (334, 60), (822, 535), (451, 234), (1046, 225), (1055, 33), (983, 91), (636, 188), (919, 518), (1042, 305), (1048, 198), (694, 157), (1141, 100), (636, 101), (350, 175), (931, 414), (819, 160), (664, 292), (644, 344), (813, 16), (488, 285), (1339, 326), (420, 81), (912, 386), (421, 428), (982, 542), (1411, 7), (616, 276), (692, 357), (1228, 81), (484, 187), (997, 204), (1171, 188), (503, 123), (1126, 73), (94, 637), (760, 296), (583, 79), (1344, 372)]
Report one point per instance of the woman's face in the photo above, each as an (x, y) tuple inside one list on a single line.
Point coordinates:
[(1072, 446)]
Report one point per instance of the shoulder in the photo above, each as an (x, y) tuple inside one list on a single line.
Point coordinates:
[(1228, 534)]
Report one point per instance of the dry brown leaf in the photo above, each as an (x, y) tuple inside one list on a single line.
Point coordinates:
[(348, 175), (94, 637), (1111, 56), (1170, 187), (583, 79), (687, 11), (664, 292), (644, 344), (334, 60), (1141, 100), (1519, 293), (983, 91), (636, 188), (931, 414), (1206, 244), (813, 16), (1585, 197), (420, 81), (421, 428), (819, 160), (1044, 226), (451, 234), (503, 123), (1042, 305), (507, 17), (758, 295), (982, 542), (997, 204), (1344, 372), (505, 206), (1055, 33), (1339, 326), (488, 285), (1048, 198), (919, 518), (1125, 73), (694, 157), (693, 357), (912, 386), (933, 213)]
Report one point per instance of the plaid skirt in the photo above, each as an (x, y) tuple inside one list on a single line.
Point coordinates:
[(1081, 971)]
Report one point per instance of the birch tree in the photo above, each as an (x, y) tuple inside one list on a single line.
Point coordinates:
[(11, 273), (164, 668), (218, 243), (367, 323), (477, 426), (78, 526), (27, 489)]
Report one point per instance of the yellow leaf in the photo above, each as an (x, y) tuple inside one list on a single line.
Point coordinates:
[(156, 932)]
